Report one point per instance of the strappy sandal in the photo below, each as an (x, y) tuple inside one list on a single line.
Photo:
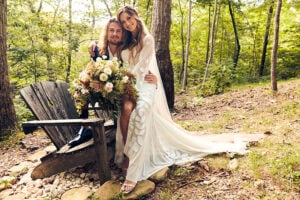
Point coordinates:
[(127, 187)]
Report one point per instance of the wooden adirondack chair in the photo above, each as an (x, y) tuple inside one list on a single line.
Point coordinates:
[(55, 111)]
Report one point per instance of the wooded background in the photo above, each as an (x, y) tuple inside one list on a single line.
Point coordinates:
[(213, 43), (48, 39)]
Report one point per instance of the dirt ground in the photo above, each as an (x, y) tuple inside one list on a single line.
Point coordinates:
[(200, 180)]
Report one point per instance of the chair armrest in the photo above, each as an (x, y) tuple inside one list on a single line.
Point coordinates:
[(29, 126)]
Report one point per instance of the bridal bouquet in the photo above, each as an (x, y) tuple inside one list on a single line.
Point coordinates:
[(103, 82)]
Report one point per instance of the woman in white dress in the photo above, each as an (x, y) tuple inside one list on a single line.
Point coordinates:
[(154, 141)]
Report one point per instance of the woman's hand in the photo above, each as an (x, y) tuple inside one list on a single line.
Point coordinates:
[(151, 78)]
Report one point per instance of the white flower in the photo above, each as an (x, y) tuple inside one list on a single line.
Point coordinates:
[(125, 79), (108, 87), (104, 57), (103, 77), (107, 71), (98, 59), (84, 91)]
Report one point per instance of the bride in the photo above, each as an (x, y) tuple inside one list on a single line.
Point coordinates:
[(154, 141)]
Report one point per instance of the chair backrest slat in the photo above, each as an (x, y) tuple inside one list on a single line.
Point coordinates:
[(49, 101)]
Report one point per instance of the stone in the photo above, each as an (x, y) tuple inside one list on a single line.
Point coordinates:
[(82, 193), (37, 156), (50, 149), (160, 176), (111, 190), (233, 164), (142, 188), (20, 169), (6, 182), (108, 190), (26, 178), (9, 179), (6, 196)]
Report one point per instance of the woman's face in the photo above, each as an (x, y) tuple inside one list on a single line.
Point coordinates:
[(128, 22)]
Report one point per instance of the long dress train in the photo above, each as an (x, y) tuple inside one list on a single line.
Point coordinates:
[(154, 141)]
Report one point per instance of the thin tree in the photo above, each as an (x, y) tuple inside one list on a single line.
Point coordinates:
[(208, 34), (182, 40), (93, 18), (160, 29), (147, 9), (184, 80), (70, 42), (266, 40), (7, 110), (107, 7), (236, 37), (275, 46), (212, 43)]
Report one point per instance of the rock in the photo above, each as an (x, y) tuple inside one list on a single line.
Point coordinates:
[(20, 169), (6, 182), (37, 156), (26, 178), (259, 184), (111, 190), (82, 193), (50, 149), (160, 176), (143, 188), (233, 164), (108, 190), (6, 196)]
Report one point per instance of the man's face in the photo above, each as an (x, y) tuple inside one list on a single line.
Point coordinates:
[(114, 35)]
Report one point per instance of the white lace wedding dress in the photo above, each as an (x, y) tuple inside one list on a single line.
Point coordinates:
[(154, 141)]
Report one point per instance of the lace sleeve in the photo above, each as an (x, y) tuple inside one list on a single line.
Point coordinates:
[(146, 55)]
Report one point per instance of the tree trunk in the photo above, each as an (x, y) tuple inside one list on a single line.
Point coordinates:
[(208, 35), (147, 10), (266, 40), (70, 43), (160, 29), (212, 43), (237, 42), (93, 19), (107, 7), (182, 42), (275, 46), (7, 110), (184, 80)]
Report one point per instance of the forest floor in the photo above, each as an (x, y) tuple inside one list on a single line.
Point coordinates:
[(270, 171)]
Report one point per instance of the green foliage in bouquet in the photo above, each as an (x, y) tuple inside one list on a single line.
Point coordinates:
[(104, 82)]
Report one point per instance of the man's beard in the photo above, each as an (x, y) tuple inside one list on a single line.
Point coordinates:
[(115, 43)]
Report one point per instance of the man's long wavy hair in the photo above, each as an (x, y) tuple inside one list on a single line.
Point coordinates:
[(128, 40), (103, 37)]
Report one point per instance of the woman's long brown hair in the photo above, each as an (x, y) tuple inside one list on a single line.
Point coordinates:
[(128, 40)]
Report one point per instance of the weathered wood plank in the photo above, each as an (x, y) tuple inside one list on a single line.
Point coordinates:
[(50, 100)]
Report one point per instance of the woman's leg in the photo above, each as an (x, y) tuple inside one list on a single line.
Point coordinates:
[(126, 110)]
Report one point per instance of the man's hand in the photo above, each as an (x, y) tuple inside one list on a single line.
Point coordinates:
[(92, 47), (151, 78)]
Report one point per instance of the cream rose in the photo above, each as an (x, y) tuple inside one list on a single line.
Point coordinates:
[(108, 87)]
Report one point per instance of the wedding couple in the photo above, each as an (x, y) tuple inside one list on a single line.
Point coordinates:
[(152, 140)]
